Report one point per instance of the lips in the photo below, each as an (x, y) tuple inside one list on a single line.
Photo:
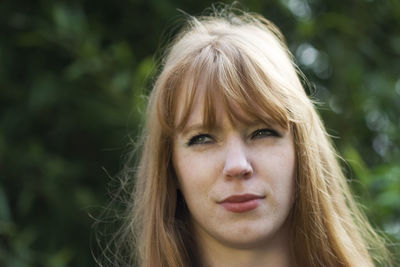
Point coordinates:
[(241, 203)]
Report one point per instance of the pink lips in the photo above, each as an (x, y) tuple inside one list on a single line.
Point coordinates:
[(241, 203)]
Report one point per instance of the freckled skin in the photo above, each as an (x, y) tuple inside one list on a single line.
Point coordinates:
[(231, 160)]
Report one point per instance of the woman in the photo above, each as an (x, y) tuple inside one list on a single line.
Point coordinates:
[(236, 167)]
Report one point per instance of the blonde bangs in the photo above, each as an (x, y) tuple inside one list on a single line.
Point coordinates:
[(225, 75)]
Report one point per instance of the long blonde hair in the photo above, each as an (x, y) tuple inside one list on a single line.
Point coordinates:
[(244, 59)]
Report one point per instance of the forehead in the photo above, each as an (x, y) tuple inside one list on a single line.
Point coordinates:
[(209, 107), (217, 82), (188, 108), (196, 114)]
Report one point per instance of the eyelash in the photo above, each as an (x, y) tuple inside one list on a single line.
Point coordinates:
[(199, 139), (261, 133), (202, 139)]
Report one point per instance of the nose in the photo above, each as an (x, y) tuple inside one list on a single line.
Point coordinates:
[(237, 164)]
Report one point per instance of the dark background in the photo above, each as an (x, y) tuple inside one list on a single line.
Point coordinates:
[(73, 80)]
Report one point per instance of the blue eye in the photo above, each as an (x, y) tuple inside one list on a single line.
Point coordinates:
[(200, 139), (261, 133)]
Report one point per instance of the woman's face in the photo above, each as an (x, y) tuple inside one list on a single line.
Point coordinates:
[(237, 180)]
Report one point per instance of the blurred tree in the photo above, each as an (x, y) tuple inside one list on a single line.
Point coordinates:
[(72, 79)]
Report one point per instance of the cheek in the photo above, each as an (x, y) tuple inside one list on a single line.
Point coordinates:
[(279, 169), (286, 180), (194, 174)]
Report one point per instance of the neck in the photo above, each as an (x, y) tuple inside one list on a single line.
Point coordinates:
[(276, 253)]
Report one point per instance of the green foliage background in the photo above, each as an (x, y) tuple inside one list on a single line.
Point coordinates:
[(73, 75)]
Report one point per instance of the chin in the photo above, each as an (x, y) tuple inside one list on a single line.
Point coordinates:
[(248, 237)]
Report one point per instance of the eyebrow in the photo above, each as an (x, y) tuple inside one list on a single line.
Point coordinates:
[(198, 127), (193, 128)]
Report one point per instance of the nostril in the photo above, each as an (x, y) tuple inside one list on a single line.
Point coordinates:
[(247, 173), (238, 171)]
